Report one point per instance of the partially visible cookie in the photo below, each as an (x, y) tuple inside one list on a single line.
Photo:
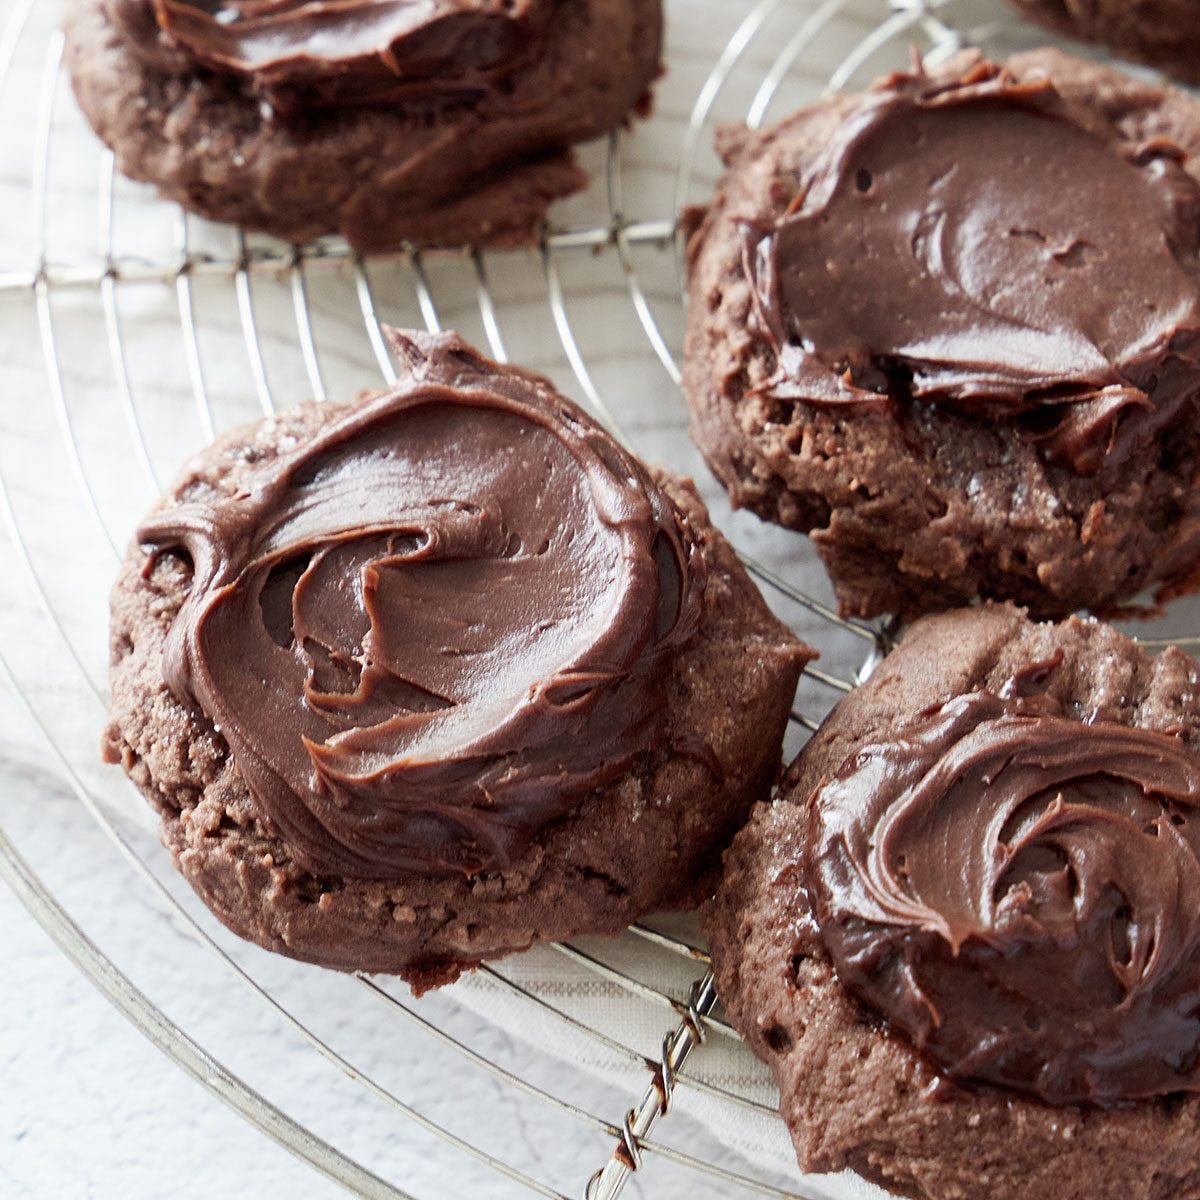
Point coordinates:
[(1164, 33), (440, 123), (430, 677), (950, 327), (966, 938)]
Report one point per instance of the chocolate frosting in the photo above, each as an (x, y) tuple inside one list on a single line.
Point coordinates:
[(1018, 892), (437, 625), (304, 52), (982, 244)]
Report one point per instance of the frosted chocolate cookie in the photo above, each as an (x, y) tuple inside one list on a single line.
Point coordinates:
[(1164, 33), (967, 936), (443, 122), (950, 328), (436, 675)]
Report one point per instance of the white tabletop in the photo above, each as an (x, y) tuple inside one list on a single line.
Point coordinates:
[(88, 1107)]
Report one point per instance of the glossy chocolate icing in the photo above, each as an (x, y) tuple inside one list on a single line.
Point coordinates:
[(982, 244), (436, 626), (1018, 892), (304, 52)]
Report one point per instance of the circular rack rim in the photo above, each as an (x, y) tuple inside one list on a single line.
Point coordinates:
[(693, 1018)]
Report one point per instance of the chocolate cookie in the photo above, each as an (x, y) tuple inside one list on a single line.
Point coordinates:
[(435, 123), (967, 936), (1165, 33), (431, 677), (951, 329)]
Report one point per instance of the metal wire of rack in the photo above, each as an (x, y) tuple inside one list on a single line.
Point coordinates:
[(89, 295)]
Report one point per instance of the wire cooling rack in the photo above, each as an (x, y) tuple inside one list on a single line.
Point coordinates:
[(131, 334)]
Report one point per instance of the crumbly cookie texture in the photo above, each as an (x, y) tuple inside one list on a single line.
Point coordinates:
[(482, 173), (916, 508), (650, 840), (1164, 33), (858, 1096)]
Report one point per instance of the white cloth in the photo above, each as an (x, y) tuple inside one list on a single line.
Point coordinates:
[(64, 531)]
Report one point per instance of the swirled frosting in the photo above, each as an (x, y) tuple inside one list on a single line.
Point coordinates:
[(438, 624), (359, 51), (981, 244), (1019, 894)]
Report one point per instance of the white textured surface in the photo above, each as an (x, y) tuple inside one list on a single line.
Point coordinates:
[(98, 1111), (87, 1107)]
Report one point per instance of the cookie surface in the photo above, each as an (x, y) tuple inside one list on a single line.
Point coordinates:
[(923, 329), (440, 124), (433, 676), (820, 994), (1164, 33)]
